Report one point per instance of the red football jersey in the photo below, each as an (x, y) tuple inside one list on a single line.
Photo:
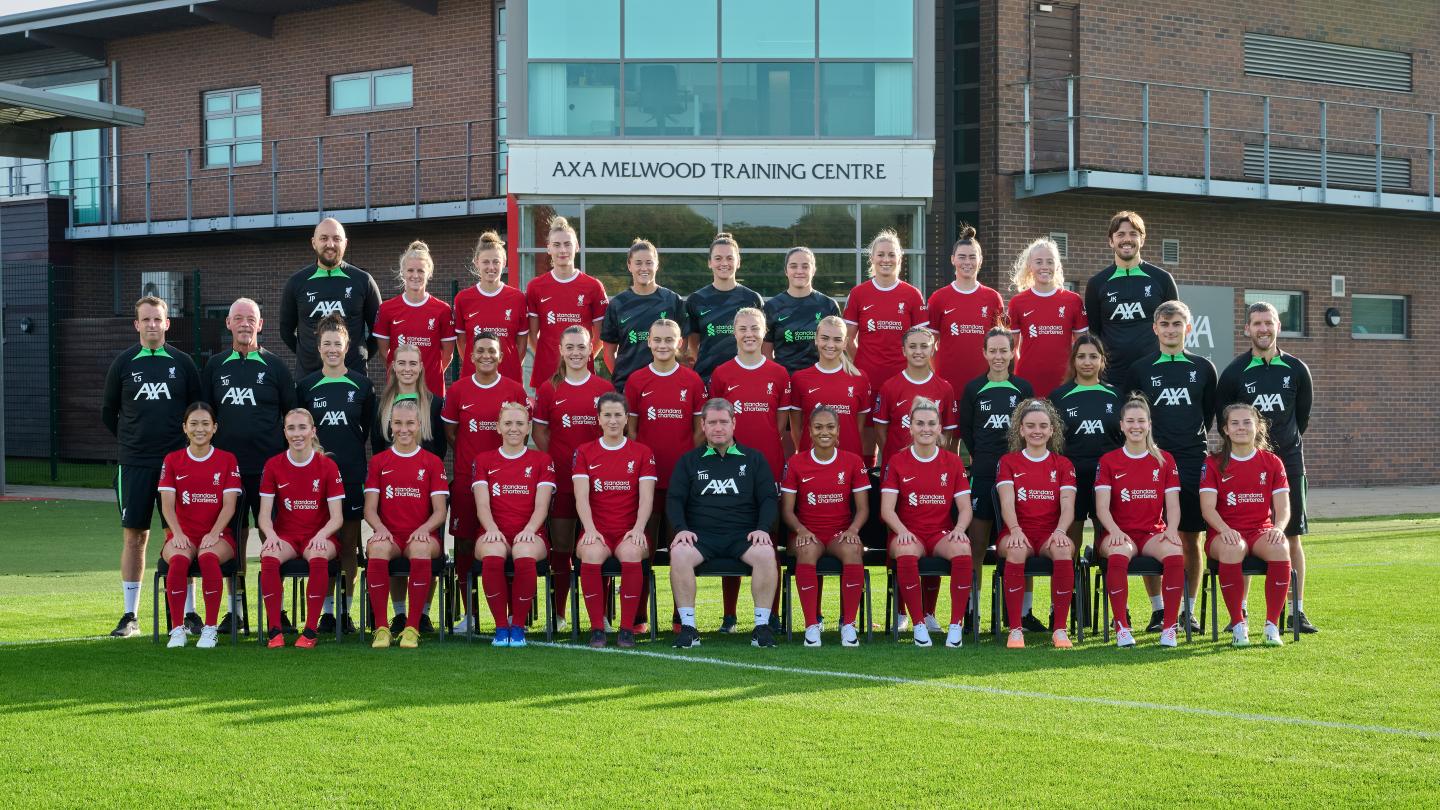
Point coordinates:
[(612, 475), (892, 408), (848, 395), (961, 319), (1047, 326), (475, 410), (1137, 490), (1037, 486), (559, 305), (881, 317), (513, 484), (569, 412), (502, 313), (302, 494), (665, 406), (1244, 491), (426, 325), (925, 490), (405, 484), (199, 485), (824, 490), (759, 394)]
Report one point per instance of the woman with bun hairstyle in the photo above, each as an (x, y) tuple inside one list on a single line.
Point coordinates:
[(491, 306), (1044, 315), (417, 318), (962, 312)]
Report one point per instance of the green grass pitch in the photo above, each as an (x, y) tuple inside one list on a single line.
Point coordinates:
[(1348, 717)]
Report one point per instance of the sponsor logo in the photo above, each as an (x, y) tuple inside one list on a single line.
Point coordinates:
[(1174, 396), (334, 418), (238, 396), (153, 391), (721, 486), (327, 308), (1269, 403), (998, 421)]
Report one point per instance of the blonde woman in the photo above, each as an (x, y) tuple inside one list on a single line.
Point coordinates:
[(832, 381), (417, 318), (491, 306), (881, 311), (1044, 315), (407, 379)]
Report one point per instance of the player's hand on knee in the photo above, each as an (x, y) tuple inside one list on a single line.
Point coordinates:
[(636, 538), (684, 539), (492, 537), (759, 538)]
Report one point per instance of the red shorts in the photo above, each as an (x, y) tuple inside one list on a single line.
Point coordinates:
[(464, 520), (225, 534), (402, 536), (300, 545), (1139, 538), (562, 505), (511, 531), (1250, 538), (928, 539), (614, 539)]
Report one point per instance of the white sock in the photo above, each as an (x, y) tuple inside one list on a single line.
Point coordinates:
[(1190, 604), (329, 605), (235, 603), (1157, 602), (1029, 602), (397, 604), (131, 592), (349, 601), (190, 596), (1300, 605), (427, 611), (687, 616), (762, 616)]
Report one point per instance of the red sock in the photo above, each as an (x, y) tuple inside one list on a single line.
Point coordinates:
[(211, 584), (1062, 590), (497, 591), (1277, 586), (561, 564), (806, 581), (177, 581), (271, 590), (1232, 589), (852, 584), (1014, 593), (1117, 583), (632, 582), (1172, 588), (962, 570), (930, 589), (907, 571), (318, 587), (522, 591), (592, 587), (730, 594), (377, 583), (420, 568)]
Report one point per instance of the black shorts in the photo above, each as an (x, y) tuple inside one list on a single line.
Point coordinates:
[(1085, 490), (982, 502), (249, 507), (1191, 469), (1298, 485), (722, 547), (354, 482), (136, 495)]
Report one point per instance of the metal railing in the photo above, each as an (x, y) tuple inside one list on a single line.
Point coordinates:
[(1122, 110), (451, 162)]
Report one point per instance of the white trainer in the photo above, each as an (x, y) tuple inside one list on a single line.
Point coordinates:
[(849, 636), (932, 624), (178, 636), (904, 623), (956, 637), (463, 626), (812, 635), (1168, 636), (922, 635), (1241, 635), (1272, 635), (1124, 638), (561, 626), (209, 634)]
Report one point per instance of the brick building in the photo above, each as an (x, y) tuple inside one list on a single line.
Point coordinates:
[(1244, 132)]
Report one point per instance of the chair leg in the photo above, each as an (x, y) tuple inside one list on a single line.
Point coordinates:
[(549, 606), (1210, 588), (1185, 606), (869, 611), (1294, 607), (440, 599), (995, 602), (654, 606), (155, 610), (474, 619), (338, 586), (260, 613), (1103, 579), (575, 603), (785, 607), (973, 609)]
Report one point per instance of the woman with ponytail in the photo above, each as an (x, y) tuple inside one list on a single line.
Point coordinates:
[(492, 306), (417, 318)]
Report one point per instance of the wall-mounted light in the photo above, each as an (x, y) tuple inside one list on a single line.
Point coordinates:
[(1332, 317)]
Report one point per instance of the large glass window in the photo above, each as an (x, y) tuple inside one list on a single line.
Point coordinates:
[(773, 99), (389, 89), (867, 29), (787, 225), (74, 165), (502, 101), (859, 99), (666, 29), (670, 98), (768, 29), (669, 225), (1378, 316), (575, 99), (232, 127), (574, 29)]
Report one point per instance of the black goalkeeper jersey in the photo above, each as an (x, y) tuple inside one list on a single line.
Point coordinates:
[(627, 325), (1279, 389), (146, 394), (791, 323), (344, 410), (985, 409), (1120, 305), (711, 314), (1091, 414)]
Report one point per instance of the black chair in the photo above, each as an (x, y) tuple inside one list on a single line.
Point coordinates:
[(1036, 567), (230, 569), (1140, 566), (297, 571), (610, 569), (1251, 566), (547, 594), (441, 572), (826, 567), (929, 567)]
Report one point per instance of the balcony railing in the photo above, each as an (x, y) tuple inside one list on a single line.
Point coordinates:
[(1103, 132), (431, 170)]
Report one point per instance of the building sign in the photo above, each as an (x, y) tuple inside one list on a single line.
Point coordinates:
[(1212, 332), (723, 168)]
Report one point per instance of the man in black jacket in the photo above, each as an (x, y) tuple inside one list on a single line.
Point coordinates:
[(722, 503)]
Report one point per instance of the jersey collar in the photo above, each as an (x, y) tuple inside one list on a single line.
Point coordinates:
[(343, 379), (588, 375), (1234, 457), (876, 284), (507, 456), (997, 384), (758, 365), (410, 454), (658, 373), (337, 272), (158, 352), (294, 463), (422, 303), (603, 446), (732, 450), (824, 463), (403, 397), (1077, 389), (1126, 451), (205, 457), (928, 377), (1174, 358), (235, 355), (1123, 272), (916, 456), (1035, 460), (1036, 292), (1256, 361)]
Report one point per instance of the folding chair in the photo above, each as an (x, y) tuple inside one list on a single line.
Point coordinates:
[(1097, 590), (547, 594), (298, 572), (1251, 566), (400, 567), (230, 569), (827, 566), (610, 569)]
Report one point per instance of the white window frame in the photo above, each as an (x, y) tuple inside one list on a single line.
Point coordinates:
[(1405, 318), (1269, 294), (232, 141), (372, 75)]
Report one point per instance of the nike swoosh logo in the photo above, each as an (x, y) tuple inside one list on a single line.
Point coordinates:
[(467, 407), (867, 306), (1019, 475), (812, 390), (594, 466), (397, 323), (806, 480), (547, 298), (1226, 479), (907, 480), (1118, 476), (181, 477), (1026, 314), (705, 312), (947, 312), (281, 486), (1014, 590), (559, 402), (386, 472), (1115, 593), (807, 587), (644, 394)]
